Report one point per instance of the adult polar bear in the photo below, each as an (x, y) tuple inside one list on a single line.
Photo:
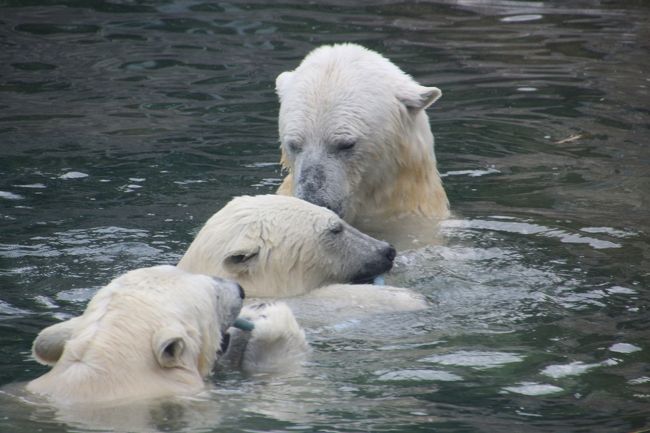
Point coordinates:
[(283, 247), (355, 138), (152, 332)]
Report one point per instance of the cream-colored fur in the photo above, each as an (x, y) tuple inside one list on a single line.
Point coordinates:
[(387, 184), (277, 246), (152, 332), (277, 344)]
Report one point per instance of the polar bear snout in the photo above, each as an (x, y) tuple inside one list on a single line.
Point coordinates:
[(233, 286), (380, 265), (387, 254), (321, 184), (390, 254), (230, 297)]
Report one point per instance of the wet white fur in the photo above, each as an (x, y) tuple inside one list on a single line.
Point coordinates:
[(289, 242), (114, 350), (277, 343), (388, 184)]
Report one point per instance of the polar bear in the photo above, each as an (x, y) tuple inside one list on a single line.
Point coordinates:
[(154, 332), (282, 247), (355, 138), (277, 246)]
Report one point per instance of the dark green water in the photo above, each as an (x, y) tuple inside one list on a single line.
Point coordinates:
[(124, 125)]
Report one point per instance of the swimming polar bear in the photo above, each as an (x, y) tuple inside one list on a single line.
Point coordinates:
[(151, 332), (277, 246), (355, 138), (282, 247)]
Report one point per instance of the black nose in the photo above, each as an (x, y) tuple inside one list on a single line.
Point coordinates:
[(390, 253), (242, 294)]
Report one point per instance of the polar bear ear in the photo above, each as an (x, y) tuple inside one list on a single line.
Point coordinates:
[(168, 345), (240, 261), (420, 98), (283, 82), (50, 342)]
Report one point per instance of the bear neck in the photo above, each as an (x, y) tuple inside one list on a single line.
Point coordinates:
[(416, 190)]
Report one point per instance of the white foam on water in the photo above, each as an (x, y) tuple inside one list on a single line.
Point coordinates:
[(10, 195), (45, 301), (268, 181), (621, 290), (521, 18), (188, 181), (476, 359), (470, 173), (32, 186), (419, 375), (525, 228), (73, 175), (130, 187), (533, 388), (624, 348), (261, 164), (519, 412), (608, 231), (10, 310), (639, 380), (527, 89), (575, 368)]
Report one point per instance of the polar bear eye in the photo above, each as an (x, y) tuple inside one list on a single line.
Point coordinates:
[(241, 258), (336, 228), (294, 146), (345, 145)]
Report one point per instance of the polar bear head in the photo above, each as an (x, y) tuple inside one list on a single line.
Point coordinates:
[(277, 246), (151, 332), (354, 134)]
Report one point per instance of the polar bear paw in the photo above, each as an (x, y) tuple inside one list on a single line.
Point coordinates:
[(275, 344)]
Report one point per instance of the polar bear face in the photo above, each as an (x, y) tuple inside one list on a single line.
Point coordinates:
[(151, 332), (277, 246), (350, 122)]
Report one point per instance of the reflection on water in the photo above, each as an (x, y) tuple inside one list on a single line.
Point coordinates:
[(124, 126)]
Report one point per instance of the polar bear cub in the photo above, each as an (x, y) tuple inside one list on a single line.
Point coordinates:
[(152, 332), (356, 139), (278, 246)]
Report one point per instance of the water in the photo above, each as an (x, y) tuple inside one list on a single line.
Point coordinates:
[(125, 125)]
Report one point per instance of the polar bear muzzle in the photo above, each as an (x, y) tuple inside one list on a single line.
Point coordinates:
[(372, 270), (314, 185)]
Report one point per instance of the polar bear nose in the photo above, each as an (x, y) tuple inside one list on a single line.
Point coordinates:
[(390, 253), (242, 294)]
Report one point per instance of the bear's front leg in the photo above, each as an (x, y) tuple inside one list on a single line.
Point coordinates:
[(276, 344)]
